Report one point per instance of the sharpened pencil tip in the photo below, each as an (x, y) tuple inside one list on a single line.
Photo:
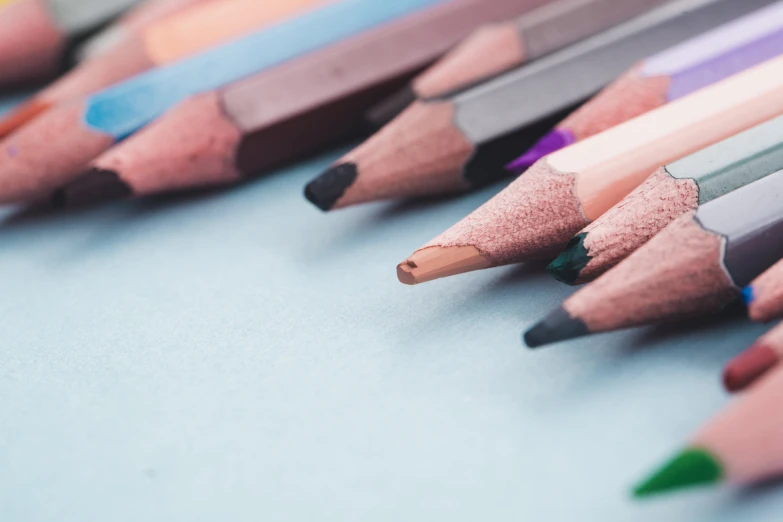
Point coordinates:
[(325, 190), (91, 188), (567, 266), (552, 142), (557, 326), (747, 295), (692, 467), (748, 366)]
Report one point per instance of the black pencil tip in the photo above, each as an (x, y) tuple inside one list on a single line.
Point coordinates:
[(567, 266), (93, 187), (326, 189), (557, 326)]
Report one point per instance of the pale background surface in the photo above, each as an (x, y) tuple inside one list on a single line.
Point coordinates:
[(240, 356)]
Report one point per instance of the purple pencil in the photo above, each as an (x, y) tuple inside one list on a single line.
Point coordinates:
[(668, 76)]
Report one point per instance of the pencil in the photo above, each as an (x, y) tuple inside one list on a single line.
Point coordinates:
[(667, 194), (741, 445), (537, 214), (501, 47), (164, 42), (37, 35), (668, 76), (131, 23), (40, 157), (764, 296), (280, 114), (750, 365), (462, 142), (695, 266)]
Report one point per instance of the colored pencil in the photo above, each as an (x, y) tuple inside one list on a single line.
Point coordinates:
[(459, 143), (38, 35), (498, 48), (132, 23), (536, 215), (282, 113), (165, 42), (741, 445), (40, 157), (667, 194), (764, 296), (668, 76), (750, 365), (696, 265)]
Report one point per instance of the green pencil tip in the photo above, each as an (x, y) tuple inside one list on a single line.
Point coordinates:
[(692, 467), (566, 267)]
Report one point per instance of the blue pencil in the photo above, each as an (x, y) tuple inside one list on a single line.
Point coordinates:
[(56, 146)]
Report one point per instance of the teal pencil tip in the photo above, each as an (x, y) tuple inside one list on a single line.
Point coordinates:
[(567, 266), (692, 467)]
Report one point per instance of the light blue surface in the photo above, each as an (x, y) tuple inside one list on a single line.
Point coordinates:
[(240, 356), (125, 108)]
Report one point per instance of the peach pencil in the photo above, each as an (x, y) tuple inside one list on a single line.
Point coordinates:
[(695, 266), (670, 192), (164, 42), (280, 114), (668, 76), (38, 35), (455, 144), (133, 22), (741, 445), (543, 209), (500, 47)]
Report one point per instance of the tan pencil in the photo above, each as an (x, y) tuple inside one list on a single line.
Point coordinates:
[(541, 211)]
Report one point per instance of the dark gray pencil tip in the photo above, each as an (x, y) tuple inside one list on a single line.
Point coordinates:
[(568, 265), (390, 108), (557, 326), (326, 189), (93, 187)]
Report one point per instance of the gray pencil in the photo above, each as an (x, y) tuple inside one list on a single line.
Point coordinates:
[(38, 36), (696, 265), (498, 48), (457, 143)]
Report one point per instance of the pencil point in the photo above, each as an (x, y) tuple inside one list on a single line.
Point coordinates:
[(21, 115), (326, 189), (692, 467), (747, 295), (557, 326), (567, 266), (93, 187), (435, 262), (748, 366), (552, 142)]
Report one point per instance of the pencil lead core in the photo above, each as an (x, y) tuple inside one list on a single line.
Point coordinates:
[(747, 295), (692, 467), (749, 366), (434, 262), (326, 189), (93, 187), (557, 326), (567, 266)]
